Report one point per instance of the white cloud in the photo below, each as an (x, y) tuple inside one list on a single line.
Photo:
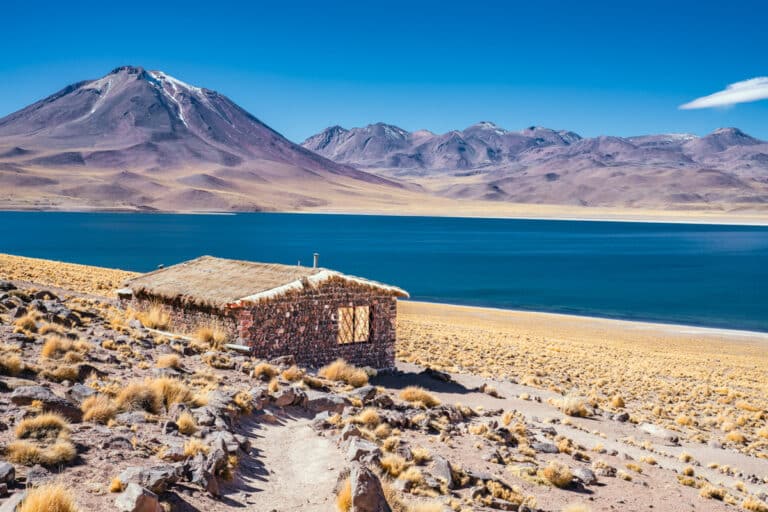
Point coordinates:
[(741, 92)]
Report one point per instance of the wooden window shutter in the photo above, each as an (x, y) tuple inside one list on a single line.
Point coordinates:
[(362, 323), (346, 325)]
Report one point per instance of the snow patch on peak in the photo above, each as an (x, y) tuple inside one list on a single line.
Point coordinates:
[(174, 82)]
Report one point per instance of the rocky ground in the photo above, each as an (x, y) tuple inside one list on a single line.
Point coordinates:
[(131, 418)]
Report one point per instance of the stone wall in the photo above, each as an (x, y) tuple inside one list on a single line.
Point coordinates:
[(187, 319), (303, 324)]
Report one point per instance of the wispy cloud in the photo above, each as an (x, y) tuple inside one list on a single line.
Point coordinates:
[(740, 92)]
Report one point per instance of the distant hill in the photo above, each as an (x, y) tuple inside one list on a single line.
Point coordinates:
[(143, 139), (539, 165)]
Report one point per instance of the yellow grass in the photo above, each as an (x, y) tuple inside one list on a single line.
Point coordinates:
[(156, 317), (42, 426), (368, 417), (139, 396), (214, 336), (344, 498), (420, 396), (49, 498), (658, 365), (393, 465), (171, 391), (10, 362), (293, 374), (754, 504), (115, 485), (195, 446), (169, 361), (29, 453), (557, 474), (187, 424), (265, 371), (98, 408), (341, 371)]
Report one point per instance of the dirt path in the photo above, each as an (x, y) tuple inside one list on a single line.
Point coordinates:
[(297, 469)]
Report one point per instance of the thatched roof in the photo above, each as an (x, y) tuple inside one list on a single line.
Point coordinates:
[(218, 283)]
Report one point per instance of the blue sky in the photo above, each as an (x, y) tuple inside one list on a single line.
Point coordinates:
[(616, 68)]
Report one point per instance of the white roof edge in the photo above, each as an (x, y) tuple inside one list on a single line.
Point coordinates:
[(314, 279)]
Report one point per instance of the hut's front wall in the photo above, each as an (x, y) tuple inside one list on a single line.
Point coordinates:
[(305, 325)]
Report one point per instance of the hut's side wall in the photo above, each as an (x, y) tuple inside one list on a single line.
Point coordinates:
[(186, 318), (305, 325)]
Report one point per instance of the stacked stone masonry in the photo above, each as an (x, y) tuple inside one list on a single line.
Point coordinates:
[(302, 323)]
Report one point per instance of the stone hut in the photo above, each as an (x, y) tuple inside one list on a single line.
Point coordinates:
[(315, 314)]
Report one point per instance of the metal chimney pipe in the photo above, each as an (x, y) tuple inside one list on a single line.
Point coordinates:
[(316, 260)]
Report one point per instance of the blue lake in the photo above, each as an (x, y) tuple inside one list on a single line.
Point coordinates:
[(692, 274)]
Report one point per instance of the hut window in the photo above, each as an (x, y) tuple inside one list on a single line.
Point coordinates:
[(354, 324)]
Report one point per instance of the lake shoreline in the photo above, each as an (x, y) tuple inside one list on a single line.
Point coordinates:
[(503, 212)]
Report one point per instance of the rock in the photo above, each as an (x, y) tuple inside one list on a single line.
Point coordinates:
[(6, 286), (37, 475), (604, 470), (27, 394), (545, 447), (156, 479), (621, 417), (442, 470), (437, 375), (286, 361), (348, 431), (367, 494), (383, 402), (223, 439), (717, 445), (131, 418), (3, 490), (79, 392), (13, 502), (319, 401), (135, 498), (661, 433), (362, 450), (586, 475), (7, 473), (365, 394), (284, 396)]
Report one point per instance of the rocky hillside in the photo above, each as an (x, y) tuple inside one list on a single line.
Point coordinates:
[(138, 138), (540, 165)]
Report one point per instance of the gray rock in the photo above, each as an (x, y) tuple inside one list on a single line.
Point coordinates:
[(365, 394), (284, 396), (545, 447), (349, 431), (362, 450), (156, 478), (137, 499), (319, 401), (7, 473), (367, 494), (79, 392), (661, 433), (3, 490), (223, 439), (621, 417), (586, 475), (6, 286), (131, 418), (442, 470), (37, 475), (27, 394)]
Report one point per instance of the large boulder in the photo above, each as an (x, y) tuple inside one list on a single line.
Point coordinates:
[(7, 473), (156, 478), (362, 450), (319, 401), (442, 470), (25, 395), (367, 494), (135, 498)]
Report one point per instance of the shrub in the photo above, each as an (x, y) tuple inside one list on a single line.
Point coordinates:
[(734, 436), (368, 417), (215, 337), (98, 408), (169, 361), (344, 498), (195, 446), (754, 505), (293, 374), (42, 426), (573, 405), (265, 371), (48, 498), (155, 317), (55, 347), (218, 361), (171, 391), (393, 465), (187, 424), (28, 453), (419, 396), (421, 455), (557, 474), (341, 371), (139, 396), (10, 364), (27, 322), (711, 492)]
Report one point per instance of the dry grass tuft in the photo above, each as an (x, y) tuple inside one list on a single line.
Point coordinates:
[(156, 317), (419, 396), (734, 436), (265, 371), (42, 426), (341, 371), (171, 391), (195, 446), (573, 405), (10, 362), (213, 336), (711, 492), (557, 474), (115, 485), (293, 374), (368, 417), (139, 396), (98, 408), (186, 423), (344, 498), (28, 453), (169, 361), (49, 498), (754, 504), (393, 465)]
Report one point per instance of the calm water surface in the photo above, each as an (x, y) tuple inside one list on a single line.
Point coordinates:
[(694, 274)]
